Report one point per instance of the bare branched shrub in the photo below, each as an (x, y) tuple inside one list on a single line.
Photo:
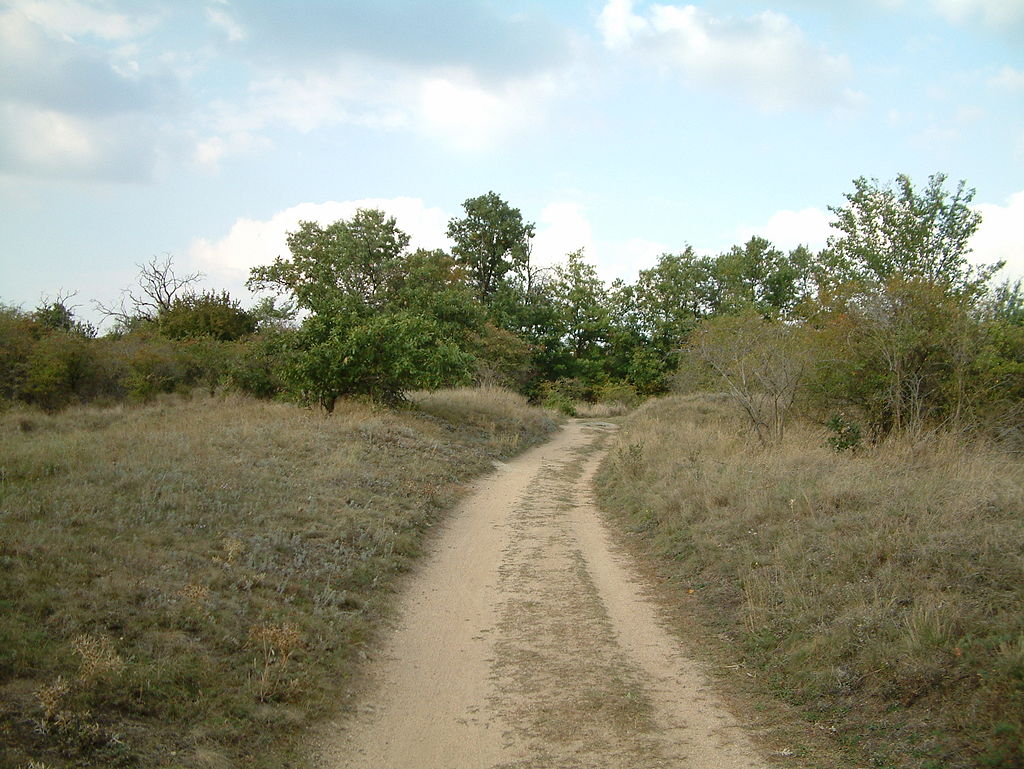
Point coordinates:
[(99, 658), (277, 643), (51, 698), (158, 286), (761, 364), (194, 593)]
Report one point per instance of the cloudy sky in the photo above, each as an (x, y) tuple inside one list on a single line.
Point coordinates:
[(206, 129)]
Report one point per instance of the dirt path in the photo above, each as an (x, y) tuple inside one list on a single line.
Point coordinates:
[(526, 642)]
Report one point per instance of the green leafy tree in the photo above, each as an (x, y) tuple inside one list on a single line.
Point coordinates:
[(759, 275), (18, 336), (901, 356), (671, 296), (902, 336), (350, 264), (582, 299), (378, 354), (1007, 303), (491, 242), (895, 230), (381, 320)]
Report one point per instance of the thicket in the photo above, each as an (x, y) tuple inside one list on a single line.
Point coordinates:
[(887, 329)]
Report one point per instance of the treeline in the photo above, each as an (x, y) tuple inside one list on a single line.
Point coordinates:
[(888, 328)]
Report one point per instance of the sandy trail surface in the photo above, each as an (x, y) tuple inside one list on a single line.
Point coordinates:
[(526, 640)]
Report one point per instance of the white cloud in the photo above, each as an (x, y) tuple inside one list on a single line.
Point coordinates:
[(223, 21), (451, 107), (305, 104), (1008, 79), (619, 25), (70, 18), (468, 116), (999, 236), (49, 143), (564, 228), (766, 57), (995, 13), (252, 242), (49, 139), (789, 229), (78, 110), (209, 152)]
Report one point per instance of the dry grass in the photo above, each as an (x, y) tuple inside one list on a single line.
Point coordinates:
[(879, 592), (601, 410), (193, 583)]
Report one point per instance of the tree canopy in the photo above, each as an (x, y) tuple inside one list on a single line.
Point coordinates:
[(491, 241), (895, 230)]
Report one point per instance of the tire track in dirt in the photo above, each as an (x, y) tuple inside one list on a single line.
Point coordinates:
[(526, 643)]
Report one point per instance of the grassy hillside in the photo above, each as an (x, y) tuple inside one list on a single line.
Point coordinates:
[(879, 592), (192, 583)]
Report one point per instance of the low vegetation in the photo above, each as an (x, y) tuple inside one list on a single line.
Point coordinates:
[(187, 582), (192, 582), (877, 589)]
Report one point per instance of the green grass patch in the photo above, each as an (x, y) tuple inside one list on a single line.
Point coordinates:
[(879, 592), (194, 583)]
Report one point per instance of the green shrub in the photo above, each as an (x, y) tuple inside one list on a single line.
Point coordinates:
[(556, 401), (154, 366), (619, 393), (846, 433), (56, 368), (16, 342), (260, 362), (209, 314)]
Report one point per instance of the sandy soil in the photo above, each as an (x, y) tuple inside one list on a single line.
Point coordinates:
[(527, 641)]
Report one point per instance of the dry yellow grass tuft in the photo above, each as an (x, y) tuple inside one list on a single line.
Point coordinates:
[(201, 578), (879, 591)]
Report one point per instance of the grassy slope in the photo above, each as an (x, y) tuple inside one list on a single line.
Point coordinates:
[(192, 584), (880, 593)]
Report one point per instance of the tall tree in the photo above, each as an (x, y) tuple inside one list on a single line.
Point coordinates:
[(671, 296), (491, 241), (349, 263), (583, 299), (381, 320), (888, 231)]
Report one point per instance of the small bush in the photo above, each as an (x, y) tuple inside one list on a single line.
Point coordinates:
[(618, 393), (845, 433)]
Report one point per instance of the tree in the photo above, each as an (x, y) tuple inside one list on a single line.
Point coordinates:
[(158, 287), (759, 275), (347, 264), (900, 356), (379, 354), (582, 299), (902, 336), (57, 315), (380, 320), (670, 297), (491, 241), (887, 231)]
